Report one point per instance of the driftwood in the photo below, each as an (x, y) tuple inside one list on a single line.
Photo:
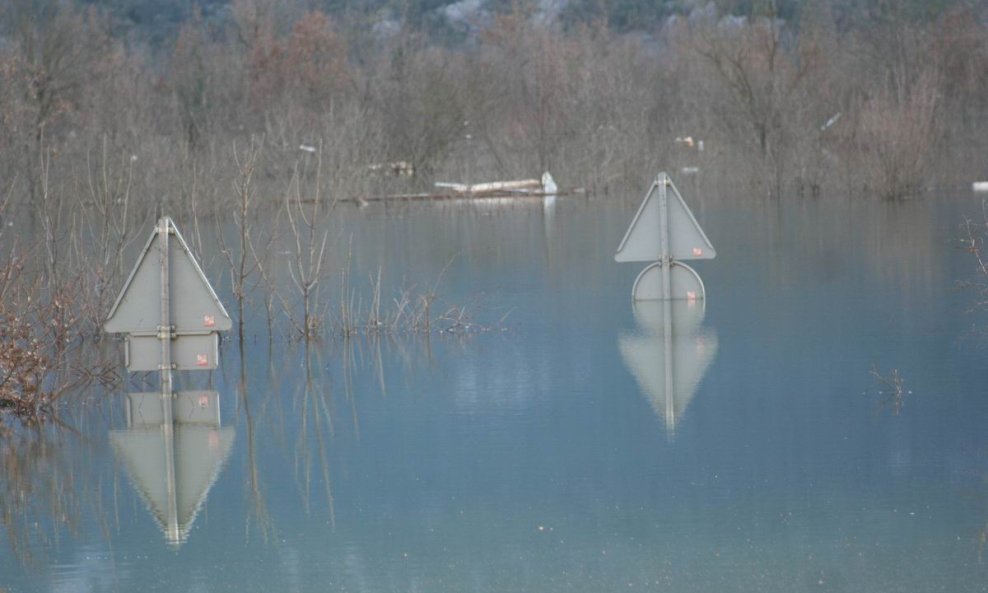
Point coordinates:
[(460, 196), (520, 188)]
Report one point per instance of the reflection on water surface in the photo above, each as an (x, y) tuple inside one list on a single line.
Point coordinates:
[(670, 356), (173, 467), (540, 458)]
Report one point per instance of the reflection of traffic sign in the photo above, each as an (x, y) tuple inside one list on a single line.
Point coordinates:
[(144, 409), (173, 470), (195, 307), (665, 231), (670, 356)]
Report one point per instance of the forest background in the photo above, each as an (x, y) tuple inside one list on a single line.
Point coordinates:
[(880, 98)]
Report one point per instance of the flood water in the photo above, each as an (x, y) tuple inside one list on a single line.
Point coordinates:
[(548, 454)]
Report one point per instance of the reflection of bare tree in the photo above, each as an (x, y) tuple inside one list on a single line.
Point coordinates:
[(258, 506), (983, 532), (316, 423), (40, 491), (311, 414), (982, 540), (973, 240), (379, 366)]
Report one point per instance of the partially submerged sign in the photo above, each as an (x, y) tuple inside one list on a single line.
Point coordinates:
[(665, 231), (168, 310), (190, 352), (684, 283)]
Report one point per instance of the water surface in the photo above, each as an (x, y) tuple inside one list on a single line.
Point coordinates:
[(546, 457)]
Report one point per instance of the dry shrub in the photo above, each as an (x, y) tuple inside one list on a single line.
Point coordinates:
[(23, 364), (35, 335)]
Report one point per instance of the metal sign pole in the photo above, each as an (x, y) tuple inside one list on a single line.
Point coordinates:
[(165, 336), (173, 533), (164, 326), (665, 256), (666, 259), (670, 366)]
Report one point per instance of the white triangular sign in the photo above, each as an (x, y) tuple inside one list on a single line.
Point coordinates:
[(195, 308), (643, 240)]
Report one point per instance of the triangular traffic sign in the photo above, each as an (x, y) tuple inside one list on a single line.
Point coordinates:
[(195, 308), (643, 240)]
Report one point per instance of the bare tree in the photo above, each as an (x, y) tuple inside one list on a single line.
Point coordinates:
[(763, 80), (240, 257), (306, 215)]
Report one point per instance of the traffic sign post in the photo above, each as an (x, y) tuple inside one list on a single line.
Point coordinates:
[(665, 232), (169, 312), (171, 317)]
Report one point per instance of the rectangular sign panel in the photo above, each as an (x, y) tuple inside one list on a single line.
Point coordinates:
[(188, 352)]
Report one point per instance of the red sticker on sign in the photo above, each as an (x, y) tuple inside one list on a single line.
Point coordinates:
[(202, 360), (208, 320), (697, 251)]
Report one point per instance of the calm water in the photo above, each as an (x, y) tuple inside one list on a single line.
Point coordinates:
[(550, 457)]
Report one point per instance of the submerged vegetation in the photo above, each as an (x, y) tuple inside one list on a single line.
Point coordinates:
[(35, 336), (892, 393)]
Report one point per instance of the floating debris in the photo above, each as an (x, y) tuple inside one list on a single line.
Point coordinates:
[(519, 188)]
